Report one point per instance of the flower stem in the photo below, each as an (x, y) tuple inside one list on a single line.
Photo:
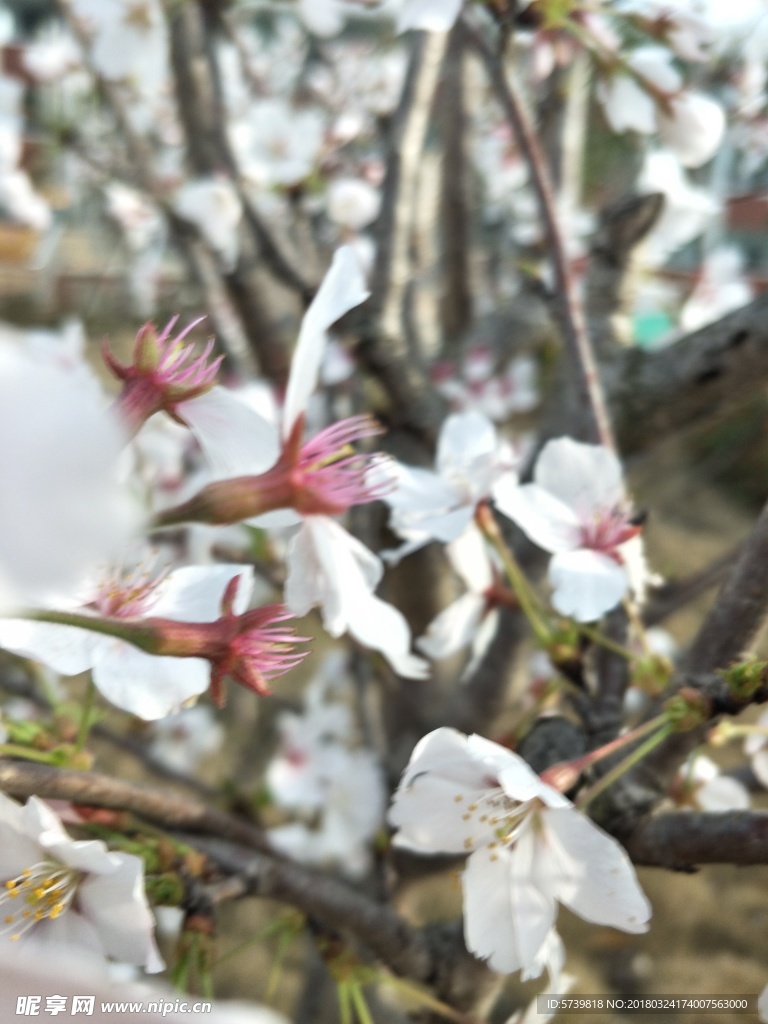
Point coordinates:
[(27, 753), (515, 575), (588, 795), (603, 641), (359, 1003)]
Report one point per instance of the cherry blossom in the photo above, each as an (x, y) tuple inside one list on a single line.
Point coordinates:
[(528, 847), (66, 510), (439, 504), (292, 482), (577, 509), (213, 206), (352, 203), (59, 892), (756, 749), (429, 15), (337, 788), (152, 686), (700, 786), (472, 619)]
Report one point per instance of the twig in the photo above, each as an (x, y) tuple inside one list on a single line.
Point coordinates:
[(172, 812), (390, 938), (677, 593), (456, 297), (382, 349), (612, 681), (577, 344)]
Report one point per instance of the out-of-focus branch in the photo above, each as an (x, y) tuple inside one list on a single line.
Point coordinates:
[(198, 255), (456, 298), (612, 680), (677, 593), (578, 348), (740, 610), (203, 117), (386, 934), (411, 400), (720, 367), (623, 225), (22, 779), (683, 840)]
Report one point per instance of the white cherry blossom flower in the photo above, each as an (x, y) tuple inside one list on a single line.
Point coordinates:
[(756, 749), (700, 786), (330, 568), (428, 15), (694, 128), (59, 892), (144, 684), (439, 504), (184, 739), (471, 620), (60, 447), (529, 849), (577, 509), (213, 206), (352, 203), (722, 287)]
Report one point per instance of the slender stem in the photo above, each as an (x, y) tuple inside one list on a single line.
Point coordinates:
[(575, 336), (359, 1003), (27, 753), (599, 638), (588, 795), (85, 718), (517, 580)]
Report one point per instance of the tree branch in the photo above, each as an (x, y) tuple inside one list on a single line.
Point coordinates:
[(652, 395), (22, 779), (681, 840), (382, 349), (578, 348)]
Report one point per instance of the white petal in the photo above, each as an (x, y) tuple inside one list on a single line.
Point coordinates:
[(586, 584), (65, 649), (760, 767), (490, 927), (626, 105), (453, 628), (342, 289), (695, 128), (235, 439), (723, 794), (582, 476), (464, 437), (534, 908), (118, 908), (545, 519), (429, 15), (468, 555), (590, 872), (145, 685), (194, 592)]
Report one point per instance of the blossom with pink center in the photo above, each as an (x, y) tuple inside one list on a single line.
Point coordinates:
[(577, 509), (155, 644), (163, 374)]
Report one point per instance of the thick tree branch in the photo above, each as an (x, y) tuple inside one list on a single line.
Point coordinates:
[(741, 608), (682, 840), (21, 779), (652, 395)]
